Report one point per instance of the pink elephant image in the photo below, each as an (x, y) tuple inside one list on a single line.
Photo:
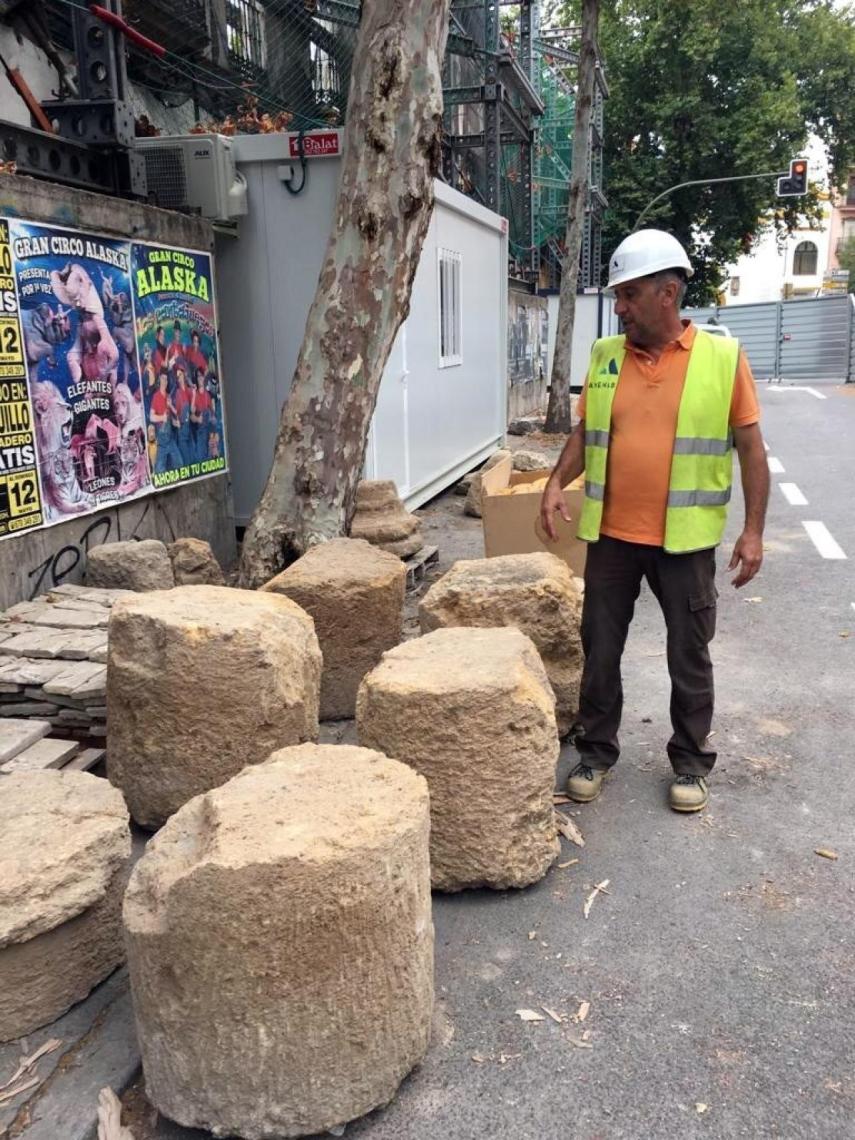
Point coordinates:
[(94, 355)]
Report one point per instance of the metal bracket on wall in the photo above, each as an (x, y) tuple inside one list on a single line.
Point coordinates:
[(41, 155)]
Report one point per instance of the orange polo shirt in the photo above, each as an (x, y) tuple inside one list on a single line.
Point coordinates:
[(644, 423)]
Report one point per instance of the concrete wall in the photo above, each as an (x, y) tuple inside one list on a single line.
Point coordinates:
[(36, 560), (528, 338)]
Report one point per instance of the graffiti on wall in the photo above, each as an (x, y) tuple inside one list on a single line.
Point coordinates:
[(527, 337)]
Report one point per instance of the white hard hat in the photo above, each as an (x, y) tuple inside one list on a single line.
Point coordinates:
[(648, 251)]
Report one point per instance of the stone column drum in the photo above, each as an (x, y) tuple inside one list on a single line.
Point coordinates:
[(64, 848), (472, 710), (534, 592), (280, 945), (354, 593), (201, 681), (383, 520)]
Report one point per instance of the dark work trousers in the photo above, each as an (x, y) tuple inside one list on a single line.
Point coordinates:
[(684, 585)]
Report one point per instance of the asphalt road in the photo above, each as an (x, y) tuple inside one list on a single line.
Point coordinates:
[(719, 968)]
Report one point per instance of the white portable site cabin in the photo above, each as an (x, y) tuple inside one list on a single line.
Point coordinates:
[(442, 403)]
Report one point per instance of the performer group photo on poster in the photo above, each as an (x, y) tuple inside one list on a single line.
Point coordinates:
[(122, 384), (177, 345)]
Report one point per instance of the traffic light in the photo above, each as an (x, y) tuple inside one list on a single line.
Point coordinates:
[(796, 182)]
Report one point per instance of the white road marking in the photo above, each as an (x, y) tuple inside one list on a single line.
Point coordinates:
[(793, 495), (775, 465), (796, 388), (821, 537)]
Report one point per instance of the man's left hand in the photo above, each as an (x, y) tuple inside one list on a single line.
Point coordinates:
[(748, 555)]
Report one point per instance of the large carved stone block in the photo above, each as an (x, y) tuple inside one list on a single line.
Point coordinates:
[(201, 681), (355, 596), (472, 710), (64, 848), (141, 565), (534, 592), (280, 945)]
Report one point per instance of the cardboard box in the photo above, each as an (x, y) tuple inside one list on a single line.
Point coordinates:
[(512, 522)]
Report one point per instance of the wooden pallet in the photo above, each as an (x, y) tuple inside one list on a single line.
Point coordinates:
[(26, 747), (417, 566)]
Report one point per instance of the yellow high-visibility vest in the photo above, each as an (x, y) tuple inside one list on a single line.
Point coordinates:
[(702, 460)]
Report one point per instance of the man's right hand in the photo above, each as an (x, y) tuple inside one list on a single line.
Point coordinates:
[(552, 502)]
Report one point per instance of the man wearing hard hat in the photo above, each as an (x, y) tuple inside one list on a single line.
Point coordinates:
[(663, 406)]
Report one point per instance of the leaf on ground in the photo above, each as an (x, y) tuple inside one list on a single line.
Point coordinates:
[(110, 1117), (568, 829), (589, 901), (583, 1011), (27, 1063), (530, 1015), (16, 1090), (826, 853)]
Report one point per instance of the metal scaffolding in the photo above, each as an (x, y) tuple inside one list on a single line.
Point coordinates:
[(509, 89)]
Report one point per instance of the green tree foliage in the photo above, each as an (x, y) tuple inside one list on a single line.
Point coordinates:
[(846, 260), (706, 90)]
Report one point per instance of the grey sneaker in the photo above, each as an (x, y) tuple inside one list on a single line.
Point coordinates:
[(584, 783), (688, 793)]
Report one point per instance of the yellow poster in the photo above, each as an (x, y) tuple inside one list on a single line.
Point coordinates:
[(20, 497)]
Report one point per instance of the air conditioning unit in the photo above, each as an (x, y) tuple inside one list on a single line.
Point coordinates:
[(195, 174)]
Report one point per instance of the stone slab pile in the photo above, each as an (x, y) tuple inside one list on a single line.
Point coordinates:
[(53, 659), (203, 680), (280, 945), (194, 563), (382, 519), (472, 506), (354, 593), (139, 566), (537, 594), (64, 851), (473, 712)]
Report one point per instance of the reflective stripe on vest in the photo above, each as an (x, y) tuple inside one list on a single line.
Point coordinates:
[(701, 463)]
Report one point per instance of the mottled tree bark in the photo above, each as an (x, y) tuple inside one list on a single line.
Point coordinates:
[(558, 412), (391, 155)]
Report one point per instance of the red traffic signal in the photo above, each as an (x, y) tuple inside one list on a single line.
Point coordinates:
[(796, 183)]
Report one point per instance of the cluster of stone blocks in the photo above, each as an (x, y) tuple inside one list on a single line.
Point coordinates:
[(278, 928)]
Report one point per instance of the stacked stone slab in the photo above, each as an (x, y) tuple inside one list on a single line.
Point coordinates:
[(354, 593), (64, 850), (53, 659), (280, 945), (141, 565), (382, 519), (472, 710), (194, 563), (534, 592), (201, 681), (472, 506)]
